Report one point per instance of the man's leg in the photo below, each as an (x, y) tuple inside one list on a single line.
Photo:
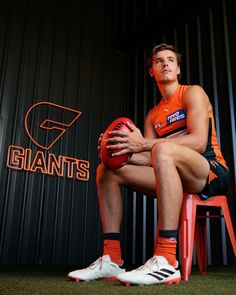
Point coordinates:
[(177, 169), (110, 201), (139, 178)]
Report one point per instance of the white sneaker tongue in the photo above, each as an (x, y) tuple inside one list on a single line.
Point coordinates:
[(162, 260), (106, 258)]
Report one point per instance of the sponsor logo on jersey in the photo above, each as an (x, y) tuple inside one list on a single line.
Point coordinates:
[(175, 117)]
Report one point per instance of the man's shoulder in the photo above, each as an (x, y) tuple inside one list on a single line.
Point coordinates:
[(194, 87), (195, 93)]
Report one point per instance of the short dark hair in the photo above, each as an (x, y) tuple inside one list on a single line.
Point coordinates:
[(162, 47)]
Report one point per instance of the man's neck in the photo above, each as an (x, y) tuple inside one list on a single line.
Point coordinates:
[(167, 90)]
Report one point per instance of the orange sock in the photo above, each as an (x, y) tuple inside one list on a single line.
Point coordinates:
[(166, 247), (112, 248)]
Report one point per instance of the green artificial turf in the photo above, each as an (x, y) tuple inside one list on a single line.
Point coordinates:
[(46, 281)]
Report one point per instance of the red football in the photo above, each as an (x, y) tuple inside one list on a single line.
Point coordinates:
[(106, 155)]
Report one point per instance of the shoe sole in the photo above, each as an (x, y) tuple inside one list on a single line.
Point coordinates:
[(104, 279), (174, 281)]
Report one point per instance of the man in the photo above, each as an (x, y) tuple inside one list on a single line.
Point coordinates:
[(178, 154)]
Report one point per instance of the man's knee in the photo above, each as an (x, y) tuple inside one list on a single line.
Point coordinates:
[(162, 151), (101, 172), (104, 174)]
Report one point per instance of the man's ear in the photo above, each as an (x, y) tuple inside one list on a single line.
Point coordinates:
[(178, 71), (151, 72)]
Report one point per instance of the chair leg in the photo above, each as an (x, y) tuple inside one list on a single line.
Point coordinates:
[(188, 231), (201, 245), (186, 236), (228, 222)]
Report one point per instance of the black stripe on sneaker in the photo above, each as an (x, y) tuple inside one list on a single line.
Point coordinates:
[(162, 274), (168, 271), (155, 276)]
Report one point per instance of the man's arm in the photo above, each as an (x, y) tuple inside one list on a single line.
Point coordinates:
[(197, 104), (143, 158)]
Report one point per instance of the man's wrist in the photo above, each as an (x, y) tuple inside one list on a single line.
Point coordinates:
[(148, 144)]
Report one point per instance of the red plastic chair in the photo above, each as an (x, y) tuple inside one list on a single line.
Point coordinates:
[(193, 227)]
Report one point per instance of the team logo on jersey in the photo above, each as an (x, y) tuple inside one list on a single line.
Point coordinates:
[(158, 125), (176, 116)]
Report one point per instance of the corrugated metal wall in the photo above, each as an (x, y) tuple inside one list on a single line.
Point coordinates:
[(54, 51), (205, 33), (59, 52)]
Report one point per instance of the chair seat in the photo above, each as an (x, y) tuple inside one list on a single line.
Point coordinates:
[(193, 227)]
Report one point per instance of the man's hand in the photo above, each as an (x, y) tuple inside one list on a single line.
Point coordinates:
[(126, 142), (99, 144)]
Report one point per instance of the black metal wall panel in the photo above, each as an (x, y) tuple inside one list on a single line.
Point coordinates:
[(59, 52), (56, 52), (205, 34)]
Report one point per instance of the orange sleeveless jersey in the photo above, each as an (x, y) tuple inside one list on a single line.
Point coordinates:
[(169, 120)]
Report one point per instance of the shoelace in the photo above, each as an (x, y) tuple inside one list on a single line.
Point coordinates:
[(152, 261), (95, 263), (100, 261)]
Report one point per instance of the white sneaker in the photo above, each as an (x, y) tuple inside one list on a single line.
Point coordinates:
[(155, 271), (102, 268)]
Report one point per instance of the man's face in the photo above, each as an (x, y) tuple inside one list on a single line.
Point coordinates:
[(164, 67)]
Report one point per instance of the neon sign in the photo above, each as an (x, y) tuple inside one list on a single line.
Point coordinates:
[(20, 158)]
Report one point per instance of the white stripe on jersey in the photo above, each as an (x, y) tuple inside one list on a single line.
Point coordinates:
[(179, 133)]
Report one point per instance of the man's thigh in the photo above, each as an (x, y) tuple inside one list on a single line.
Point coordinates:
[(193, 168), (138, 178)]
